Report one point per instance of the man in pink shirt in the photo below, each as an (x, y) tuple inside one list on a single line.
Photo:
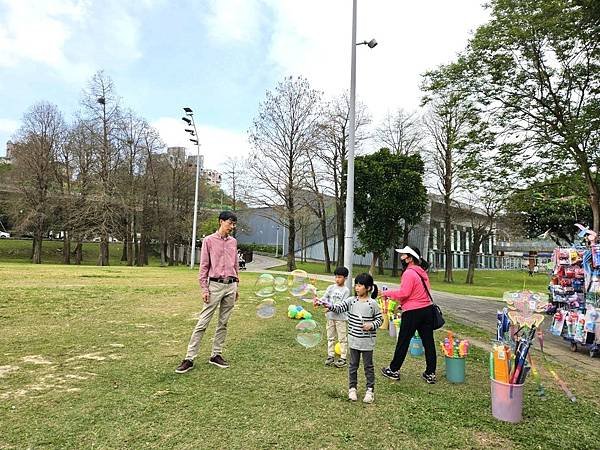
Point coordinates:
[(219, 285)]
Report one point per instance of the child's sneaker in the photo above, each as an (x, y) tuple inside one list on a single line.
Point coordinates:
[(352, 394), (429, 377), (340, 363), (330, 361), (389, 373), (369, 396)]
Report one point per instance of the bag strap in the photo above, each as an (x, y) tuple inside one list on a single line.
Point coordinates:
[(424, 285)]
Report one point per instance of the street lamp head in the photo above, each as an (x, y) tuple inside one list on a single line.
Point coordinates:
[(189, 130), (195, 141), (372, 43), (186, 120), (188, 110)]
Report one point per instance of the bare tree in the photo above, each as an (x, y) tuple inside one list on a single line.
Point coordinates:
[(284, 130), (449, 121), (36, 147), (401, 133), (101, 106), (333, 152), (234, 177)]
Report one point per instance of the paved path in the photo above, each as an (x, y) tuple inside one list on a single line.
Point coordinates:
[(474, 311)]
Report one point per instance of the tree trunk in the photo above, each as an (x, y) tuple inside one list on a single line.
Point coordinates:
[(323, 221), (79, 252), (373, 264), (380, 266), (448, 277), (67, 248), (36, 254), (339, 217), (124, 253), (103, 251), (395, 260), (136, 249), (472, 265), (291, 256)]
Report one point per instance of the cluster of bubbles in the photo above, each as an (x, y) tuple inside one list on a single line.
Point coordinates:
[(300, 286)]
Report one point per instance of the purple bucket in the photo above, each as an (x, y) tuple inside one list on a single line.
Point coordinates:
[(507, 401)]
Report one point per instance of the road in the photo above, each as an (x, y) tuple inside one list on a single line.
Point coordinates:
[(474, 311)]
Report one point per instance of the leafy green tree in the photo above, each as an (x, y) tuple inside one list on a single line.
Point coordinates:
[(551, 207), (388, 191), (536, 67)]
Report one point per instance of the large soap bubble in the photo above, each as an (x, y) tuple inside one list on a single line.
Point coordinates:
[(264, 285), (266, 308), (298, 283), (311, 293), (280, 284), (308, 333)]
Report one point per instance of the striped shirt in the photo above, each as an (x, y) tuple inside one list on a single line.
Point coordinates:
[(359, 313)]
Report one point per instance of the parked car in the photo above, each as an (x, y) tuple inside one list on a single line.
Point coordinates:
[(4, 235)]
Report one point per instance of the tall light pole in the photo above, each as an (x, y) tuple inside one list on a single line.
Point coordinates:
[(349, 229), (189, 120), (277, 243)]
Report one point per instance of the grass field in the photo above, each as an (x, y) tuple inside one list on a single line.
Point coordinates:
[(87, 359), (488, 283)]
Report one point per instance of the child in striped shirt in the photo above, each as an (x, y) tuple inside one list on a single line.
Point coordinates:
[(364, 317)]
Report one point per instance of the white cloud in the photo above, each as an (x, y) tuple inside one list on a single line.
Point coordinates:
[(313, 37), (69, 36), (233, 20), (216, 144)]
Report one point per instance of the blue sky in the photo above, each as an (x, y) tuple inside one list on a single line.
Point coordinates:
[(219, 56)]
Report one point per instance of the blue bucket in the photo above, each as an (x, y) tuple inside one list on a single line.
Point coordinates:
[(416, 346)]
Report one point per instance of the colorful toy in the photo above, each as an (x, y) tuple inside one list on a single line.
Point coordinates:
[(454, 348), (298, 312)]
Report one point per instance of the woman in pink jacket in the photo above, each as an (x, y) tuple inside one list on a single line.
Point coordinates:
[(417, 313)]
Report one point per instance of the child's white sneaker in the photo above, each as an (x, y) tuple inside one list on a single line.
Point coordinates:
[(369, 396), (352, 394)]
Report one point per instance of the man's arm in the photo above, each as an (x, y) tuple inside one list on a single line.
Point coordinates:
[(204, 267)]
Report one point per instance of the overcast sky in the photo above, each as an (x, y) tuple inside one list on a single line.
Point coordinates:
[(220, 56)]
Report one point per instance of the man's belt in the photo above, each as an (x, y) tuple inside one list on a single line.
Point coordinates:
[(226, 280)]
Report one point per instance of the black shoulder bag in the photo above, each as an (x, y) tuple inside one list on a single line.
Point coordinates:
[(438, 317)]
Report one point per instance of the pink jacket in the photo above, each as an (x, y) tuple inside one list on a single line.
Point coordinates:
[(411, 294)]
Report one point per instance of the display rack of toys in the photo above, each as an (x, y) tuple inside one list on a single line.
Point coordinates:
[(575, 293)]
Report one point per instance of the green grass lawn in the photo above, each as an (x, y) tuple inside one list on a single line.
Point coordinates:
[(87, 359), (488, 283)]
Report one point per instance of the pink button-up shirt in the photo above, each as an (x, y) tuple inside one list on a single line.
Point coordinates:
[(218, 258)]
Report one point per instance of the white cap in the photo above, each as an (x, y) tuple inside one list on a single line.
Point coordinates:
[(408, 251)]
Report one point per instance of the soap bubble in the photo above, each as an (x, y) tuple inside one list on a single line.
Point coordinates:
[(298, 283), (265, 285), (311, 293), (280, 284), (266, 308), (308, 333)]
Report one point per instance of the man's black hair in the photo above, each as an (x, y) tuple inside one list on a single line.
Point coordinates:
[(341, 271), (228, 215)]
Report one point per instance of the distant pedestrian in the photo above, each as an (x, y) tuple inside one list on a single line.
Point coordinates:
[(219, 285)]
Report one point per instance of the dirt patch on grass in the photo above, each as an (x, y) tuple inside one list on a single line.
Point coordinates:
[(47, 383), (36, 359), (5, 370), (492, 440)]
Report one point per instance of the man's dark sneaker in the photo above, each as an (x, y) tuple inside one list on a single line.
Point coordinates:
[(186, 365), (329, 361), (429, 377), (218, 361), (389, 373), (340, 363)]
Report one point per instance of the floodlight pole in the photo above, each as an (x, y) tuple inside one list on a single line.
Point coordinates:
[(349, 229), (190, 114)]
